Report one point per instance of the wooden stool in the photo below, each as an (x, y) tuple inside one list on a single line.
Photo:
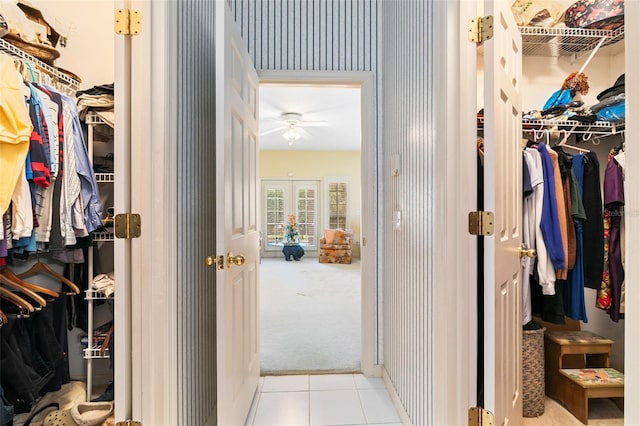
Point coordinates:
[(577, 386), (572, 349)]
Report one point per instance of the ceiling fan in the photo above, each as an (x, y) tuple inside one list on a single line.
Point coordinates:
[(293, 126)]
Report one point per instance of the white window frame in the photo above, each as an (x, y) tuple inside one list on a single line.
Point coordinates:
[(290, 187), (327, 210)]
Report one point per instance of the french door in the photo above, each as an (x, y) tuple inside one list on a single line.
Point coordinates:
[(283, 198)]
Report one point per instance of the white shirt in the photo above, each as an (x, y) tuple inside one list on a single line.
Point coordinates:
[(546, 271)]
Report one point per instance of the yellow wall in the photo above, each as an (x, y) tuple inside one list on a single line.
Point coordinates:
[(318, 165)]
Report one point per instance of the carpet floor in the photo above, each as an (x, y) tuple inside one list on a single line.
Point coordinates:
[(310, 316)]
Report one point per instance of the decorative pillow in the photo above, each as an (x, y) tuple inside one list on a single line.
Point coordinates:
[(329, 235)]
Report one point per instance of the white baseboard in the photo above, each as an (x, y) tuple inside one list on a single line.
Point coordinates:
[(404, 417)]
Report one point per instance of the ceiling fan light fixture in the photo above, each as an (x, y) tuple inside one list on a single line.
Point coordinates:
[(292, 134)]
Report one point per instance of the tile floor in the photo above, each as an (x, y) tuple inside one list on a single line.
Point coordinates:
[(322, 400)]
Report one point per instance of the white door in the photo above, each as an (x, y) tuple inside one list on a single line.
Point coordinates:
[(238, 360), (503, 183)]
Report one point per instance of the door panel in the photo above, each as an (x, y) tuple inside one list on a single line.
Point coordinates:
[(503, 183), (236, 211)]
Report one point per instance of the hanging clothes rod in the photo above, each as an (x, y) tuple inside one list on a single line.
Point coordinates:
[(60, 77)]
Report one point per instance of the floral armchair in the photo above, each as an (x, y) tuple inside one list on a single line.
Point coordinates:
[(335, 246)]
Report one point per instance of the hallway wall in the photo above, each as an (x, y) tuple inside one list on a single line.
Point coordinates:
[(408, 118)]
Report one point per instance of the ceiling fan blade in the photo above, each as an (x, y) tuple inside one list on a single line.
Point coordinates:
[(304, 133), (313, 124), (268, 132)]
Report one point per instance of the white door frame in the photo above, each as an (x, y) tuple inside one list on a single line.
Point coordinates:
[(369, 235), (454, 253), (150, 394)]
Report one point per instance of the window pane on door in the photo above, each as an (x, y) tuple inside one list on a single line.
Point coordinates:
[(337, 205), (275, 215), (306, 215)]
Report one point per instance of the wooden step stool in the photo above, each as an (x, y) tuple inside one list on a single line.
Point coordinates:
[(574, 351), (577, 386)]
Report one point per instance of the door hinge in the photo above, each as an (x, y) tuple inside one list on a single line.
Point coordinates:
[(128, 225), (128, 22), (478, 416), (129, 423), (481, 223), (480, 29)]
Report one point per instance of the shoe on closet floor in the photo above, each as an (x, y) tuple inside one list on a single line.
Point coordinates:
[(107, 395), (91, 413)]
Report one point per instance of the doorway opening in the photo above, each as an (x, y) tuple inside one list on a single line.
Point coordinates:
[(310, 173), (323, 192)]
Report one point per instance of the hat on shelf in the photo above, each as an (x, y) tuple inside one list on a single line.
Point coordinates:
[(616, 89)]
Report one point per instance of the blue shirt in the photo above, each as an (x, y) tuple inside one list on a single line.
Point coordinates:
[(88, 185), (549, 223)]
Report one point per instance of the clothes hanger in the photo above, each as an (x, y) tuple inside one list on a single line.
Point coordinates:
[(563, 143), (38, 289), (13, 298), (29, 293), (40, 267)]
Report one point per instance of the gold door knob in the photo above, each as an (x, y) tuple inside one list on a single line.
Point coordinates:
[(524, 251), (210, 260), (237, 260)]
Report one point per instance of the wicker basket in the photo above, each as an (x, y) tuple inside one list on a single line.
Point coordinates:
[(533, 395)]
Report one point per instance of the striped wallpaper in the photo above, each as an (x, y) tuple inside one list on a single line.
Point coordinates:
[(195, 287), (408, 123), (309, 35)]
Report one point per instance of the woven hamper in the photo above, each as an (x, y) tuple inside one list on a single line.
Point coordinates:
[(533, 395)]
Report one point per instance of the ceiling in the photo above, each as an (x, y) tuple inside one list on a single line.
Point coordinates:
[(338, 106)]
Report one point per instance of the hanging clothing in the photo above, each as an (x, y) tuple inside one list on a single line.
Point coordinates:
[(561, 271), (528, 235), (614, 202), (549, 222), (574, 299), (92, 206), (593, 227), (15, 130), (546, 276)]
